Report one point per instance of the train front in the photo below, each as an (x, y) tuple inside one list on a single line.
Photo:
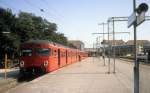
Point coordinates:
[(34, 58)]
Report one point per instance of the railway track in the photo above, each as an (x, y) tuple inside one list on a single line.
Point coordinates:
[(130, 60)]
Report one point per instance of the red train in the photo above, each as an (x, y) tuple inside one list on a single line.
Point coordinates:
[(42, 56)]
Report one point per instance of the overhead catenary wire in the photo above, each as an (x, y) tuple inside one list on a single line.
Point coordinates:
[(43, 10), (8, 5), (58, 15), (32, 5), (53, 9), (13, 8)]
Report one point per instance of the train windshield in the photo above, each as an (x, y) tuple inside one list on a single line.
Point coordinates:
[(43, 51), (26, 52)]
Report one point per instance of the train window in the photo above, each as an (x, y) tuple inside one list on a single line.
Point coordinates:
[(26, 52), (55, 52), (43, 51)]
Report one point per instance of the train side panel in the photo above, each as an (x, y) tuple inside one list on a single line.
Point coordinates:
[(48, 57), (62, 57)]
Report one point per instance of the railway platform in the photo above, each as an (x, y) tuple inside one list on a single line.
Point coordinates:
[(11, 79), (87, 76)]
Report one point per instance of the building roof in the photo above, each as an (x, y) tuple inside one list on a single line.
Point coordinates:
[(36, 42), (76, 42), (139, 42), (110, 42), (90, 49)]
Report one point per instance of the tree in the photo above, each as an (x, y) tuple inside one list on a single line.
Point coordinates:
[(26, 26), (7, 23)]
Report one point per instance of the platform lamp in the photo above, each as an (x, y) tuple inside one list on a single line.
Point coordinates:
[(141, 10), (6, 62)]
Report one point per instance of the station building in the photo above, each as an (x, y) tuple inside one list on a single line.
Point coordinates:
[(78, 44), (126, 48), (91, 51), (147, 50)]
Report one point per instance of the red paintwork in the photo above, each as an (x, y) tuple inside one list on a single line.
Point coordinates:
[(67, 56)]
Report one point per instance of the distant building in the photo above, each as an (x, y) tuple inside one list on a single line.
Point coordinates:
[(147, 50), (126, 48), (91, 51), (78, 44), (111, 42), (140, 44)]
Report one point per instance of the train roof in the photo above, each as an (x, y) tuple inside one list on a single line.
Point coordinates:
[(37, 42), (46, 42)]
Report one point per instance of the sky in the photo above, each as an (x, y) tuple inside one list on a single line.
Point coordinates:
[(78, 19)]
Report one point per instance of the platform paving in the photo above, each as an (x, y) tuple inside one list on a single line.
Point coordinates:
[(11, 79), (88, 76)]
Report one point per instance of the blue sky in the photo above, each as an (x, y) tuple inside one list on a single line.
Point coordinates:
[(77, 19)]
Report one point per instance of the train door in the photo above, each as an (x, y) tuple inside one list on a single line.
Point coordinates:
[(76, 56), (71, 56), (79, 57), (58, 56), (66, 57)]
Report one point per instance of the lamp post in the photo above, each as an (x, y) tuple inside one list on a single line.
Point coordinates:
[(114, 43), (136, 20), (109, 45), (108, 48), (113, 20), (6, 62), (136, 65), (99, 45), (103, 54)]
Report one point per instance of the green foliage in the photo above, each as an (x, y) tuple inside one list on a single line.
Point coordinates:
[(7, 23), (26, 26)]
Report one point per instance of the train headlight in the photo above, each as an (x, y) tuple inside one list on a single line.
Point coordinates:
[(45, 63), (21, 63)]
